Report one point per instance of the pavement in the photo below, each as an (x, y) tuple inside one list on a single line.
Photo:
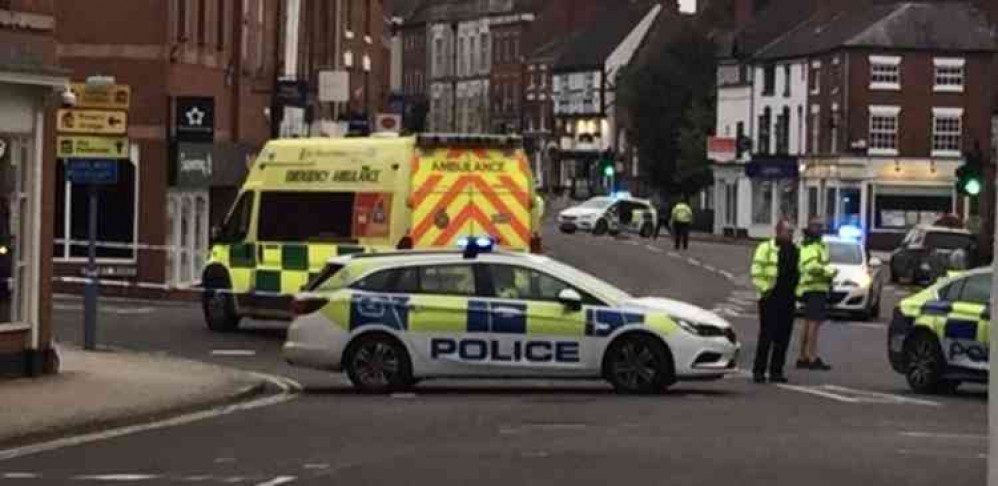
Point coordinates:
[(104, 389), (857, 424)]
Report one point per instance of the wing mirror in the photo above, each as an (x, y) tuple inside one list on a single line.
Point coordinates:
[(571, 299)]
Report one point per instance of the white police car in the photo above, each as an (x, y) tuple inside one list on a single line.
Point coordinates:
[(389, 320), (859, 283), (615, 214)]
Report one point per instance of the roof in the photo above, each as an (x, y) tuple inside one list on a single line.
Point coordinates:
[(552, 49), (905, 25), (416, 257), (774, 20), (590, 48)]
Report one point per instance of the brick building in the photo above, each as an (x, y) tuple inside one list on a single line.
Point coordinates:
[(30, 87)]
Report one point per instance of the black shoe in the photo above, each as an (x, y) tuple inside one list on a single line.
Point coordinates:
[(819, 365), (759, 378), (778, 379), (803, 364)]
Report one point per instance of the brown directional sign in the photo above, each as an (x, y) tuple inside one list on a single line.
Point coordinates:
[(69, 147), (92, 122), (114, 97)]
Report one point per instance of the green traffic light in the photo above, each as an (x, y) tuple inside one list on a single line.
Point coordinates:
[(972, 187), (608, 171)]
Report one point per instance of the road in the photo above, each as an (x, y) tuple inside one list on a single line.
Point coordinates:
[(856, 424)]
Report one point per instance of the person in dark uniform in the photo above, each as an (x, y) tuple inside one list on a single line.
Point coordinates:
[(663, 218), (775, 274)]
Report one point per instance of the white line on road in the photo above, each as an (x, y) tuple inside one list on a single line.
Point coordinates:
[(279, 480), (653, 249), (943, 455), (694, 262), (868, 325), (935, 435), (882, 396), (816, 392), (233, 352), (673, 254), (105, 309), (20, 475), (726, 274), (289, 391), (710, 268), (125, 478)]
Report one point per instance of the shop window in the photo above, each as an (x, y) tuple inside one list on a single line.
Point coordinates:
[(949, 75), (883, 130), (762, 202), (813, 203), (849, 207), (885, 73), (116, 216), (947, 132), (788, 200), (335, 225), (899, 209)]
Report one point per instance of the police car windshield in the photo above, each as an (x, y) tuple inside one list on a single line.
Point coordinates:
[(845, 253), (589, 283), (948, 241), (597, 203)]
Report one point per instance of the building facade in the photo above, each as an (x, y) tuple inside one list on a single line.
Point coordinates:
[(30, 89)]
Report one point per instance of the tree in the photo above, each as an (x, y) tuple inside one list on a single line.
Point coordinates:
[(670, 97)]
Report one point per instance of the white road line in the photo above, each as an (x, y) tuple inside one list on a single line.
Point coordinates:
[(726, 274), (694, 262), (882, 396), (710, 268), (233, 352), (935, 435), (124, 478), (654, 249), (289, 391), (868, 325), (673, 254), (20, 475), (278, 481), (817, 392), (938, 455), (316, 466)]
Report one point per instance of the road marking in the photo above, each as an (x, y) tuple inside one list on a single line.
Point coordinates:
[(852, 395), (694, 262), (278, 481), (726, 274), (125, 311), (233, 352), (317, 466), (710, 268), (653, 249), (403, 396), (290, 390), (941, 455), (817, 392), (632, 243), (868, 325), (225, 460), (935, 435), (884, 396), (20, 475), (125, 478), (673, 254)]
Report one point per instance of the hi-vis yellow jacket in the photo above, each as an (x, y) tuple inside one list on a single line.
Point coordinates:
[(816, 271)]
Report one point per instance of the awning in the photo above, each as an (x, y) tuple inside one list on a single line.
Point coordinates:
[(773, 167)]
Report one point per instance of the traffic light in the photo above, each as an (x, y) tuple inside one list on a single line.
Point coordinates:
[(969, 177), (607, 165)]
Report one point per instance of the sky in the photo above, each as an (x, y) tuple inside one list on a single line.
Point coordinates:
[(687, 5)]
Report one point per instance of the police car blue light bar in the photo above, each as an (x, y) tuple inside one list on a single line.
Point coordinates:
[(473, 245), (850, 232)]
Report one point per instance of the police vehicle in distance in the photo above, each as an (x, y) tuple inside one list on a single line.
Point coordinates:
[(389, 320), (859, 283), (619, 213), (938, 338)]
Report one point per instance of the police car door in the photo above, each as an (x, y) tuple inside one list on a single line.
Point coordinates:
[(965, 337), (530, 331)]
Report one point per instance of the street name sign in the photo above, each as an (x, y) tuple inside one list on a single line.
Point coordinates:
[(92, 171), (113, 97), (73, 147), (93, 122)]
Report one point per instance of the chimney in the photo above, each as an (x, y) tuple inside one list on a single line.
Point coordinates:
[(744, 11)]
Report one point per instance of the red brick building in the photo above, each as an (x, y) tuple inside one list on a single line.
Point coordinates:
[(30, 88)]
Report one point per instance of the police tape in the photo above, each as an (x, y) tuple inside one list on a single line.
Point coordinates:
[(193, 288)]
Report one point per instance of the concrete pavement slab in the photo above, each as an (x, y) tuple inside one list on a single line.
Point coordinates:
[(103, 389)]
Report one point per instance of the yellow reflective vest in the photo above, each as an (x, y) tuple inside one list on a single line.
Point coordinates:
[(816, 271), (765, 267), (682, 213)]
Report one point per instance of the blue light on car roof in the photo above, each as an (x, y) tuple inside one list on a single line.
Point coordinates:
[(850, 232), (473, 245)]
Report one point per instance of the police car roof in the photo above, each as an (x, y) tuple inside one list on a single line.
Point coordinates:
[(839, 239), (435, 256), (943, 229)]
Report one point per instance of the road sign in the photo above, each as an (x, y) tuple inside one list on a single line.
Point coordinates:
[(92, 171), (72, 147), (92, 122), (113, 97)]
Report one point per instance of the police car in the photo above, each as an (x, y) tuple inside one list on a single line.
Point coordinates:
[(391, 319), (619, 213), (938, 338), (859, 283)]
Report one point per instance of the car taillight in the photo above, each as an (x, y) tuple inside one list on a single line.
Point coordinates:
[(536, 246), (305, 305)]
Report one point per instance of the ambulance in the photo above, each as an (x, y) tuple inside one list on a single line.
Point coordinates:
[(306, 200)]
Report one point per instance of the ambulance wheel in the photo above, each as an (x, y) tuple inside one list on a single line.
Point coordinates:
[(638, 364), (601, 228), (646, 231), (378, 363), (219, 307), (925, 364)]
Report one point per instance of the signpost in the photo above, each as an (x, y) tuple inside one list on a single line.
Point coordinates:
[(91, 154)]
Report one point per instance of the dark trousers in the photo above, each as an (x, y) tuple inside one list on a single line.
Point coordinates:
[(658, 229), (776, 324), (681, 235)]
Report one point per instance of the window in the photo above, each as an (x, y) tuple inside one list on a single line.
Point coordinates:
[(815, 147), (335, 225), (731, 204), (116, 212), (947, 132), (977, 289), (367, 18), (382, 281), (447, 280), (183, 33), (483, 61), (765, 121), (814, 82), (236, 226), (762, 202), (949, 75), (220, 15), (769, 81), (951, 292), (438, 53), (884, 130), (885, 73), (783, 132), (786, 79)]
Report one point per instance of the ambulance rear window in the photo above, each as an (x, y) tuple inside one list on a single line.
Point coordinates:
[(327, 273), (306, 216)]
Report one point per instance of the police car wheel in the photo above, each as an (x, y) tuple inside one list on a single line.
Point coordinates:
[(638, 365), (925, 364), (378, 364), (646, 231), (220, 310), (601, 227)]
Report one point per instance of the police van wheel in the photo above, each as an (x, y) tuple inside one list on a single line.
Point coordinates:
[(646, 231), (378, 364), (220, 310), (601, 228), (925, 364), (638, 365)]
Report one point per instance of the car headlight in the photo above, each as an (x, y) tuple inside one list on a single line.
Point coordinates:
[(861, 282), (702, 330)]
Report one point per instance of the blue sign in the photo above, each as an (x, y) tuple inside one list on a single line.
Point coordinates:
[(92, 171), (773, 167)]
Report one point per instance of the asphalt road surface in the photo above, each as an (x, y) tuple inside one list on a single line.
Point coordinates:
[(857, 424)]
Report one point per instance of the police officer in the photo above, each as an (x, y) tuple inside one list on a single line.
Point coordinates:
[(816, 274), (775, 275), (663, 222), (682, 217)]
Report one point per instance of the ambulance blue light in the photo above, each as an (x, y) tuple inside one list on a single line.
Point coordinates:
[(850, 232)]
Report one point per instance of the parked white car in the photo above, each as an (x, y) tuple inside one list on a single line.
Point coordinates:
[(858, 286), (613, 215)]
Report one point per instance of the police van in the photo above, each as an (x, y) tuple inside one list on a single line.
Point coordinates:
[(389, 320), (940, 337), (306, 200)]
